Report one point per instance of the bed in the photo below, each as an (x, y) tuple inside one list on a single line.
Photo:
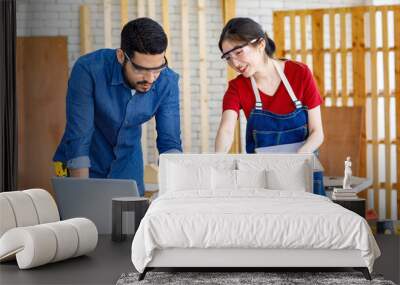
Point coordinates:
[(247, 211)]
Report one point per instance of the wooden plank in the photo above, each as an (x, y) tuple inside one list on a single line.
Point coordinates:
[(204, 98), (151, 9), (363, 9), (107, 23), (359, 75), (279, 35), (144, 140), (386, 91), (292, 35), (325, 50), (393, 142), (303, 38), (374, 107), (141, 8), (85, 29), (343, 56), (317, 45), (332, 38), (165, 23), (396, 23), (228, 12), (151, 13), (347, 122), (187, 105), (40, 97), (124, 12)]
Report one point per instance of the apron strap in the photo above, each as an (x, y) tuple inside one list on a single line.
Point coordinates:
[(256, 93), (289, 89)]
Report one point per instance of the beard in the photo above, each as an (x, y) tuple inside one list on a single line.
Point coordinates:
[(143, 84)]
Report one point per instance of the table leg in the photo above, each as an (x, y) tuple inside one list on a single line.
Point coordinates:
[(117, 221)]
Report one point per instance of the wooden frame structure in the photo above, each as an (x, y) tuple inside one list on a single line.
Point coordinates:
[(85, 29), (228, 12), (359, 95)]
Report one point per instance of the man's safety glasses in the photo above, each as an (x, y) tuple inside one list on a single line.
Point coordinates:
[(144, 70)]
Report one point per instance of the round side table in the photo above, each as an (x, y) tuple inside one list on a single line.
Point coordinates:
[(138, 205)]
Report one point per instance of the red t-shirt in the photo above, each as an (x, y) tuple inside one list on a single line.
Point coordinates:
[(240, 94)]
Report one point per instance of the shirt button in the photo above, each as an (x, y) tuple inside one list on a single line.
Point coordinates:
[(126, 122)]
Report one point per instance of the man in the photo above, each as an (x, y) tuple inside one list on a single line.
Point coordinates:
[(111, 93)]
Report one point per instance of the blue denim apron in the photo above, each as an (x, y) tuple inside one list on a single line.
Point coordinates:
[(266, 129)]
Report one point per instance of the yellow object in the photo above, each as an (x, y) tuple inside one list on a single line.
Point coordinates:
[(60, 169)]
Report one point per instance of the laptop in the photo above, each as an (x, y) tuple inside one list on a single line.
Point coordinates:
[(91, 198)]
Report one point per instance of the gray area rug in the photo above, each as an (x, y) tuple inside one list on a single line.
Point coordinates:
[(230, 278)]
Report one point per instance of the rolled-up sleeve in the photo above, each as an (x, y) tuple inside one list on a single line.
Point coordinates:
[(168, 121), (80, 117)]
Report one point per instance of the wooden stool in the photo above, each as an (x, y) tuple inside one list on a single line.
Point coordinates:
[(138, 205)]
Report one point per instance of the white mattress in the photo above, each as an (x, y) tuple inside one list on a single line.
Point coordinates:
[(252, 218)]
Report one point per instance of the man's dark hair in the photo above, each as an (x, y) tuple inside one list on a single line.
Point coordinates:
[(246, 30), (143, 35)]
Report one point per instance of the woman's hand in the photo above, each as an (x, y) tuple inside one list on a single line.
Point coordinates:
[(226, 131), (316, 133)]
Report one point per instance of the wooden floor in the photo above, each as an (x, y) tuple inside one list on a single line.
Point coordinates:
[(110, 259)]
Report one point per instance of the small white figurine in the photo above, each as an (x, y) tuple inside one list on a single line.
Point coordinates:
[(347, 174)]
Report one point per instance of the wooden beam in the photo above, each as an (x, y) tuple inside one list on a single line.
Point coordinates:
[(303, 38), (359, 75), (374, 107), (144, 140), (124, 12), (85, 29), (317, 44), (151, 13), (229, 12), (187, 106), (165, 23), (343, 56), (332, 39), (204, 98), (107, 23), (293, 52), (396, 24), (386, 91), (141, 8), (151, 9), (279, 35), (325, 50)]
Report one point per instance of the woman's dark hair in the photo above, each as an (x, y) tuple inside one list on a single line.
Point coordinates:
[(246, 30), (143, 35)]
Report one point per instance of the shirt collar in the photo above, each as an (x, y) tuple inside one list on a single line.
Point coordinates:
[(117, 77)]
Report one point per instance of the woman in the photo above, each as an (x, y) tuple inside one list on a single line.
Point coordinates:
[(279, 97)]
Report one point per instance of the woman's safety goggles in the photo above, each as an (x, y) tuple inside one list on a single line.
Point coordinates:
[(237, 50)]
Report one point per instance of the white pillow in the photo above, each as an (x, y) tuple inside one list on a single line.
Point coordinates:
[(183, 177), (251, 178), (223, 179), (295, 178)]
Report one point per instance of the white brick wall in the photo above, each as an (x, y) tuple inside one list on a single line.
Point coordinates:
[(61, 17)]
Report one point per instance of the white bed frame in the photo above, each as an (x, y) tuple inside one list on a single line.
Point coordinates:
[(242, 258), (256, 258)]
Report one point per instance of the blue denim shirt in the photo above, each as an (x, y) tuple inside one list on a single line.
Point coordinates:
[(104, 117)]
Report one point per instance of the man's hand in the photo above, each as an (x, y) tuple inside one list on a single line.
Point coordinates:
[(79, 172)]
